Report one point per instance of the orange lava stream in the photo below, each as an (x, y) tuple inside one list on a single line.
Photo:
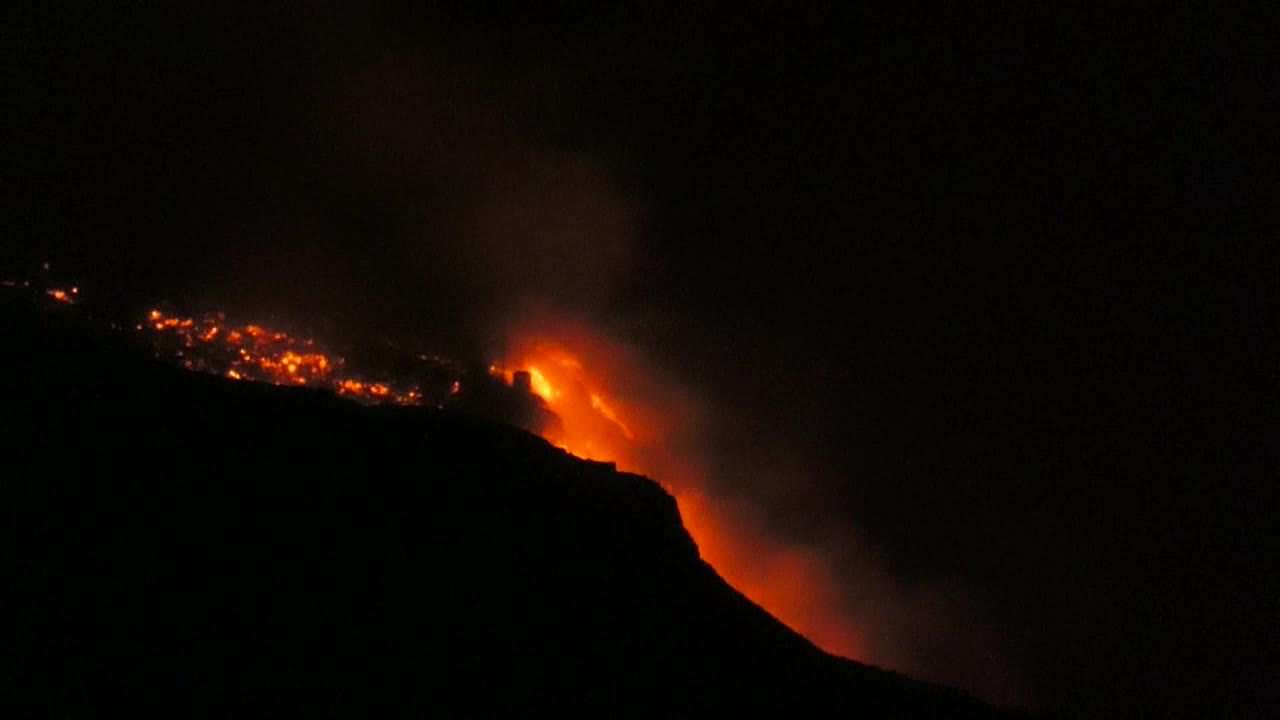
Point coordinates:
[(613, 408)]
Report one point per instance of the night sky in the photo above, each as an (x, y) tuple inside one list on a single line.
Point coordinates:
[(985, 296)]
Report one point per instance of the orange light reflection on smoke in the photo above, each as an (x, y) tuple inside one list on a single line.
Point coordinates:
[(646, 429)]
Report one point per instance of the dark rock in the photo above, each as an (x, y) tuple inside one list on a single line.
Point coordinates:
[(177, 543)]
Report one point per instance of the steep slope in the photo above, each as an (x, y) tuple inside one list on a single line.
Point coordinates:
[(181, 543)]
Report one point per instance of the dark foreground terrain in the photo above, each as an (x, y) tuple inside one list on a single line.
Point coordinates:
[(182, 544)]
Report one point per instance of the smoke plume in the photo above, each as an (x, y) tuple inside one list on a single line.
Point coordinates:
[(413, 179)]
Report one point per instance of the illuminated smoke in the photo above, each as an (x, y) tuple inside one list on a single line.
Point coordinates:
[(614, 406), (602, 399), (414, 198)]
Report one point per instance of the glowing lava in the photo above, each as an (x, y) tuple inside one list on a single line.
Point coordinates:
[(63, 296), (253, 352), (613, 407)]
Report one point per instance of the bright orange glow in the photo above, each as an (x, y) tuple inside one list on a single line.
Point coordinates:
[(541, 385), (253, 352), (611, 406), (615, 407), (603, 408), (62, 296)]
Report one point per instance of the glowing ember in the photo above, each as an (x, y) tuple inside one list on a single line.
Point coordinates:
[(256, 353)]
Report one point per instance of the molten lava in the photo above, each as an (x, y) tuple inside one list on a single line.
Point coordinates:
[(256, 353), (63, 296), (613, 407)]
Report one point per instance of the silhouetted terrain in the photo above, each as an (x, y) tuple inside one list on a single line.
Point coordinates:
[(181, 543)]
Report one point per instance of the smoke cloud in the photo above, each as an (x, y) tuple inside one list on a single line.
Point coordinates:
[(444, 212), (819, 577), (411, 180)]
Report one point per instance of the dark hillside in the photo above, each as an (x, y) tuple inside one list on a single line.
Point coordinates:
[(180, 543)]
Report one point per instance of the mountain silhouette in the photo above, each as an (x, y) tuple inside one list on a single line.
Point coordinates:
[(184, 544)]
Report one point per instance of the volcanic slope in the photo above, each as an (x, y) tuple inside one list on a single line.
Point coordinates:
[(181, 543)]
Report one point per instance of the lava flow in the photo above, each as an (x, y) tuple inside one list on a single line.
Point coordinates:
[(610, 406), (256, 353), (614, 407)]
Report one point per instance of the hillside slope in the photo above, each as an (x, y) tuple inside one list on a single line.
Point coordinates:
[(181, 543)]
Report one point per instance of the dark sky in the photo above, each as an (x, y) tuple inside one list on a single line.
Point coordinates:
[(993, 290)]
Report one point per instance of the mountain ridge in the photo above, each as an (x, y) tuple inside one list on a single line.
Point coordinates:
[(182, 543)]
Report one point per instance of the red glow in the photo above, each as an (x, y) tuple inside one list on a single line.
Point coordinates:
[(614, 407), (253, 352)]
